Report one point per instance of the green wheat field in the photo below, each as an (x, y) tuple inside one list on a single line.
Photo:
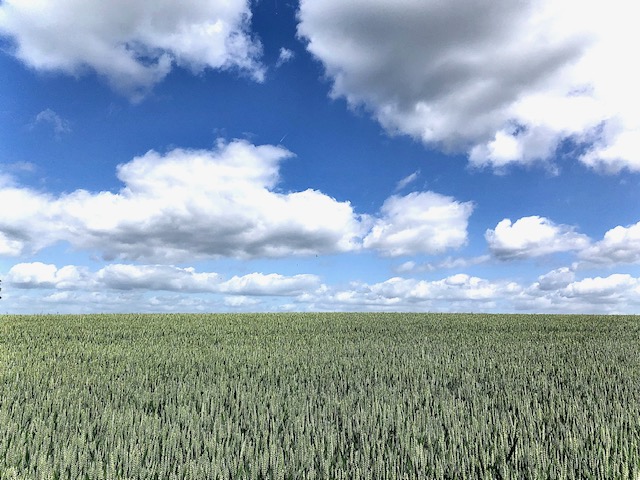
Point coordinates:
[(319, 396)]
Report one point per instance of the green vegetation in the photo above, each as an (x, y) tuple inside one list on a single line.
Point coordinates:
[(325, 396)]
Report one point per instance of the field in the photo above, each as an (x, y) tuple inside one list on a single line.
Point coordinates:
[(325, 396)]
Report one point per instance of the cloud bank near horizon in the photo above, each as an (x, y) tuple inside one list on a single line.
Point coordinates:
[(170, 288)]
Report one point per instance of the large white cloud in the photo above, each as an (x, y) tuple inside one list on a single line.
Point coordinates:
[(532, 237), (182, 205), (224, 202), (504, 81), (619, 245), (420, 222), (133, 43)]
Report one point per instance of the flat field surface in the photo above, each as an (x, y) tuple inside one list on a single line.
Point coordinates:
[(325, 396)]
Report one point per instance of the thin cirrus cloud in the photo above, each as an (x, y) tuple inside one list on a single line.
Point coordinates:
[(133, 44), (195, 204), (53, 120), (482, 77), (408, 180)]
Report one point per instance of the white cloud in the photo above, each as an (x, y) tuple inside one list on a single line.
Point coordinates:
[(285, 55), (240, 302), (33, 287), (482, 77), (10, 247), (619, 245), (556, 279), (155, 277), (407, 267), (126, 277), (612, 286), (185, 204), (460, 292), (27, 226), (134, 43), (532, 237), (558, 291), (420, 222), (271, 284), (41, 275)]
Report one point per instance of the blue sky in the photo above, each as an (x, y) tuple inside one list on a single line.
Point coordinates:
[(319, 155)]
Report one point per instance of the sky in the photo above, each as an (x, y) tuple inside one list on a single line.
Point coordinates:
[(320, 155)]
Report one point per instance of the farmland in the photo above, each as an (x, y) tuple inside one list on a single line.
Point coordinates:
[(335, 396)]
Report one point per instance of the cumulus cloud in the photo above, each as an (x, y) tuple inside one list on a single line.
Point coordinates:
[(224, 202), (41, 275), (619, 245), (420, 222), (134, 43), (185, 204), (155, 277), (10, 247), (483, 77), (28, 226), (611, 287), (559, 291), (556, 279), (532, 237)]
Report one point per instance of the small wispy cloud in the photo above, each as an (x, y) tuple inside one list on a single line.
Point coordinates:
[(55, 121), (20, 167), (445, 264), (407, 180), (285, 56)]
